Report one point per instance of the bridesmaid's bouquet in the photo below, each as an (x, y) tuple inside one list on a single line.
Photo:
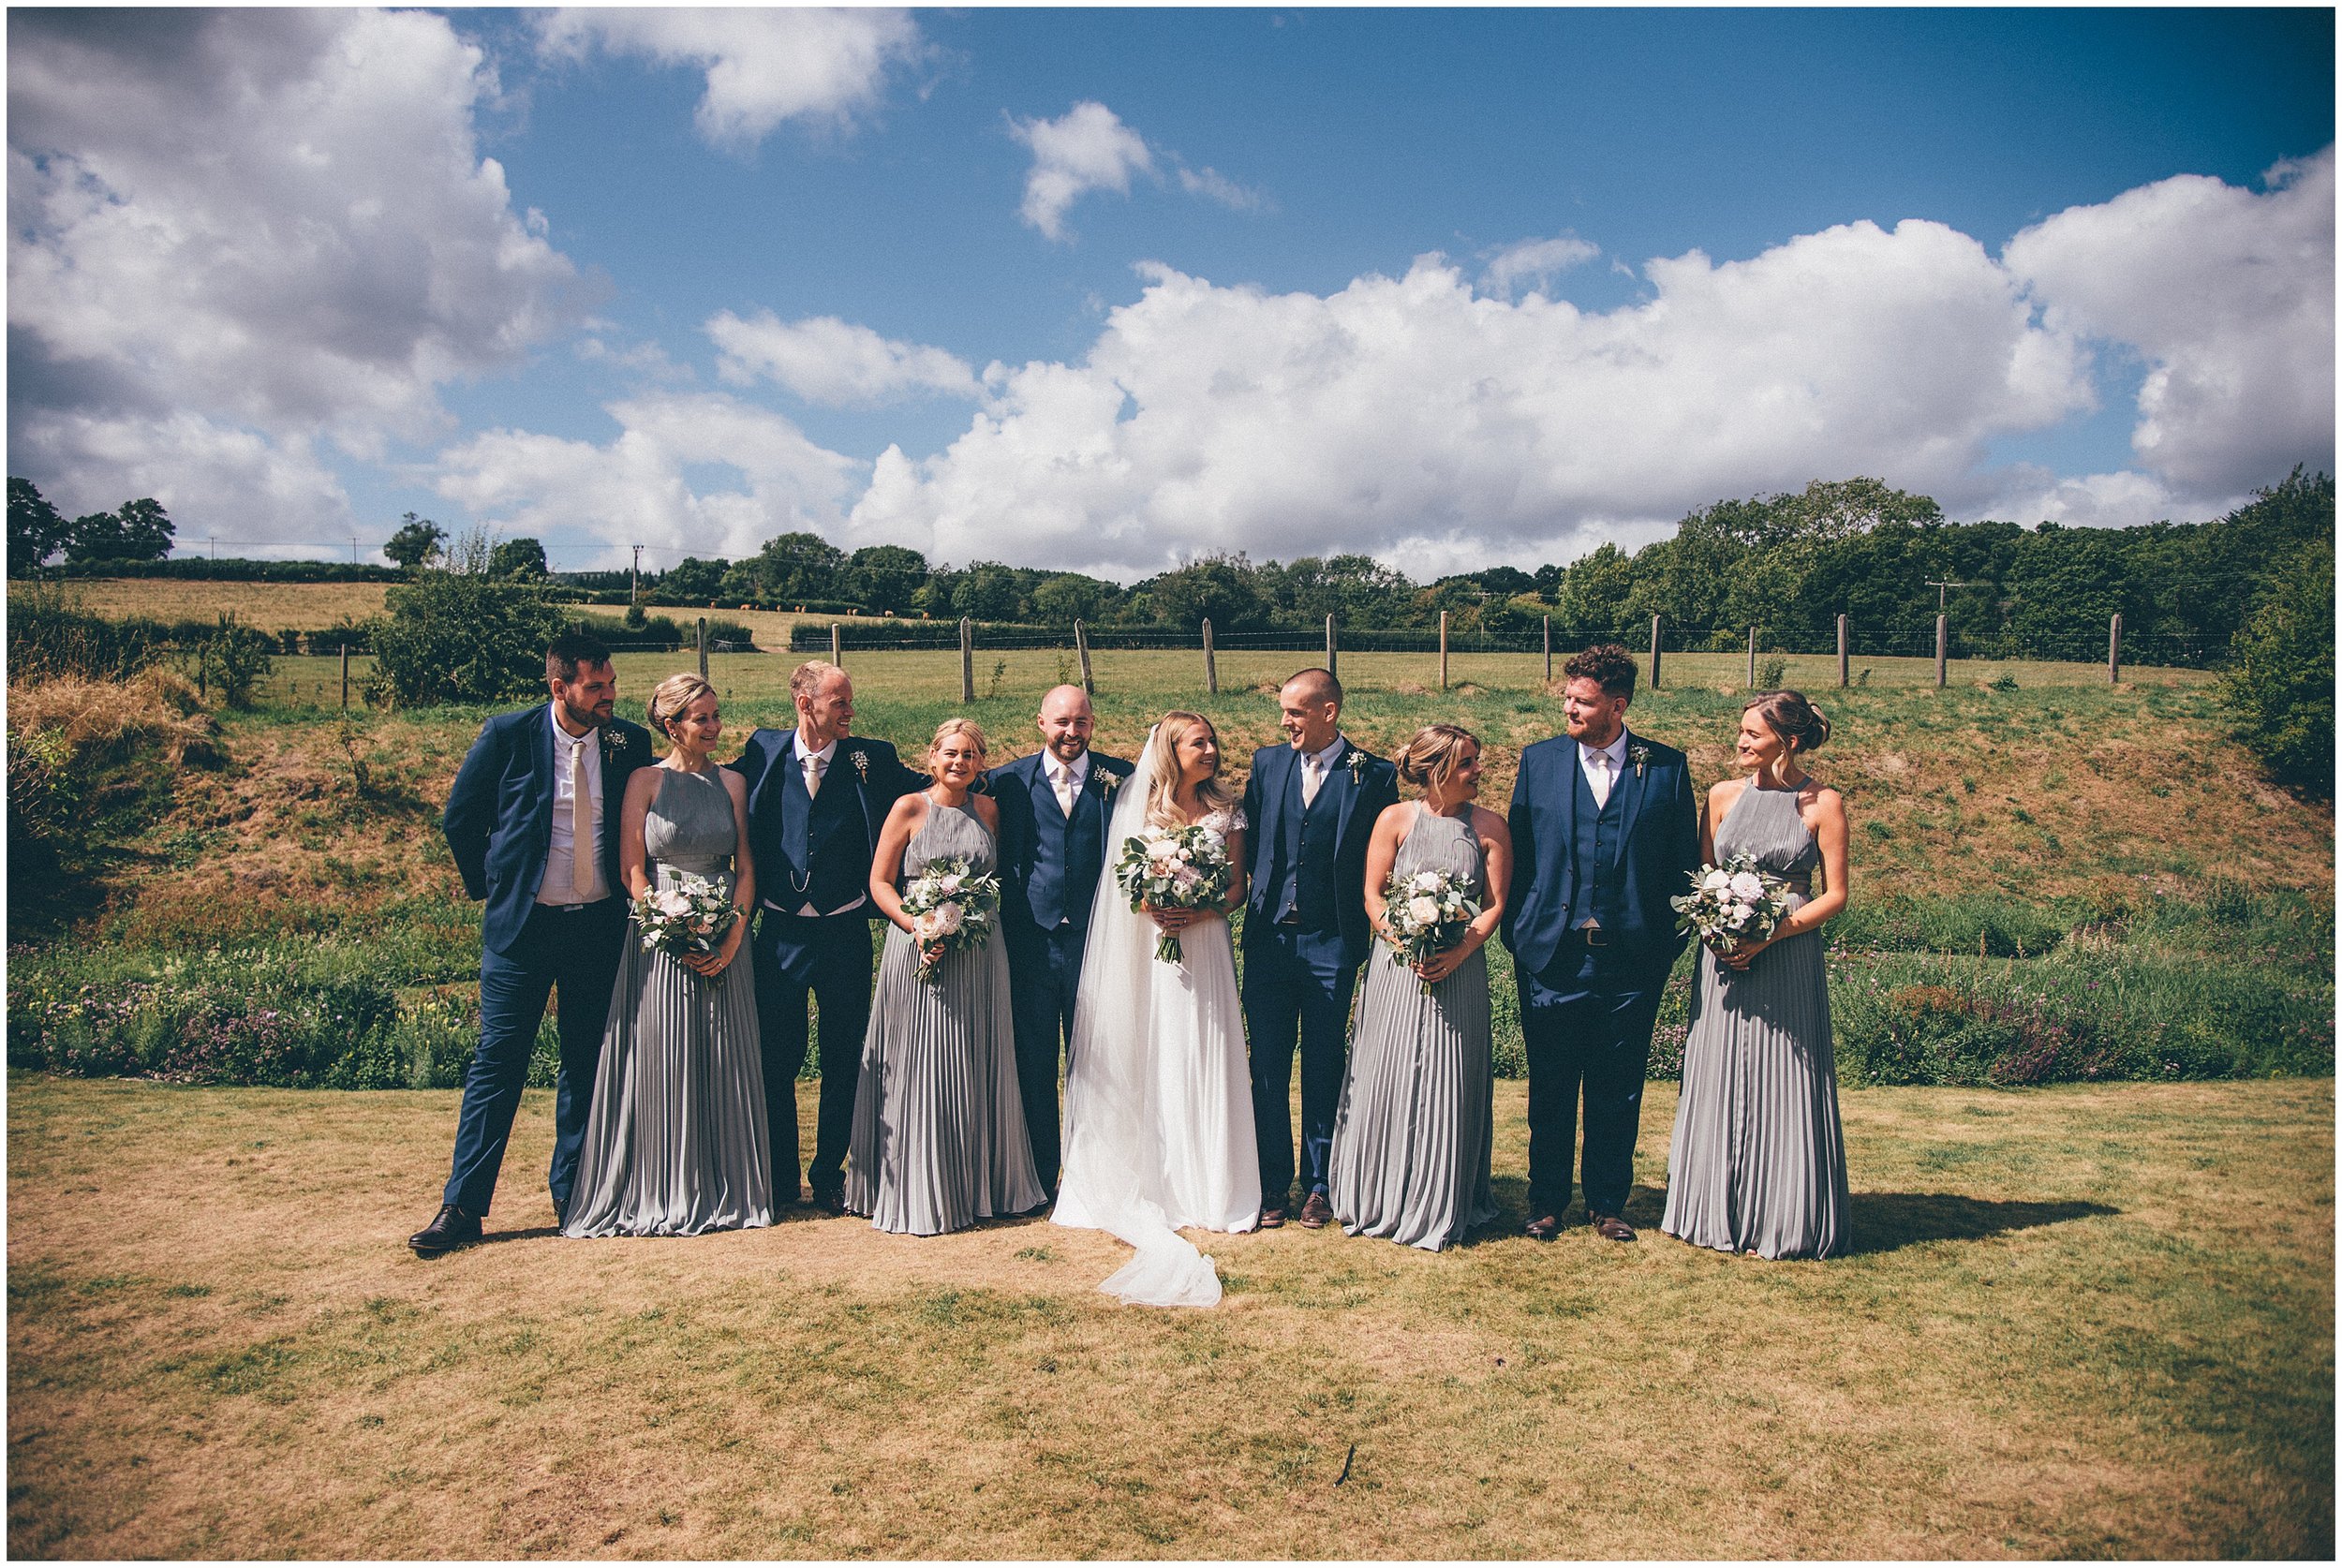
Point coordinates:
[(689, 919), (1734, 902), (951, 905), (1426, 913), (1176, 868)]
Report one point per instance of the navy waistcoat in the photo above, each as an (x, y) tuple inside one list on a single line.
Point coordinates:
[(826, 844), (1599, 839), (1305, 855), (1067, 855)]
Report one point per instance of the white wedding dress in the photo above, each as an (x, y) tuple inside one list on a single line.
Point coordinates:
[(1158, 1097)]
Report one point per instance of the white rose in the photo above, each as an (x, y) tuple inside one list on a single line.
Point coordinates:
[(949, 918), (1162, 849), (1716, 881), (1427, 882), (1423, 911), (1747, 887), (949, 885), (926, 928)]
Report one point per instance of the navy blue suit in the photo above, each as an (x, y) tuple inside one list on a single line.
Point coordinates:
[(815, 849), (499, 827), (1305, 935), (1049, 869), (1588, 1003)]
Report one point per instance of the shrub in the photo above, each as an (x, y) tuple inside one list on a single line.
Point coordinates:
[(234, 658), (2279, 681), (461, 636)]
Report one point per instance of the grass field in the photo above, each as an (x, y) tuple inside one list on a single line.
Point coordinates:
[(2083, 1322)]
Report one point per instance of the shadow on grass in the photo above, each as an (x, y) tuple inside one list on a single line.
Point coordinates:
[(1886, 1221)]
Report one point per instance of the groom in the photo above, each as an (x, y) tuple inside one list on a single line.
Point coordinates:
[(1311, 803), (532, 821), (1605, 831), (1055, 805), (818, 795)]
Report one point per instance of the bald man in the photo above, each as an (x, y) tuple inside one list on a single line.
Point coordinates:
[(1054, 809), (1312, 802)]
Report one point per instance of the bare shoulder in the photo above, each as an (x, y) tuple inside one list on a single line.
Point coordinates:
[(1490, 826), (909, 810), (1395, 817), (735, 786), (987, 811), (642, 783), (1724, 792), (1821, 800)]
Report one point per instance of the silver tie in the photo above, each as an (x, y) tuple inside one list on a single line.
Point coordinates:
[(581, 827)]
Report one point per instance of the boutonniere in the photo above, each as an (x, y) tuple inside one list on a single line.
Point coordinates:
[(1640, 755), (1107, 782), (613, 745), (861, 760), (1358, 766)]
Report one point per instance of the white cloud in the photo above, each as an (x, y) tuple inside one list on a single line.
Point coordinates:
[(2228, 294), (825, 359), (646, 486), (235, 234), (1088, 148), (1215, 187), (1534, 260), (1403, 416), (763, 66)]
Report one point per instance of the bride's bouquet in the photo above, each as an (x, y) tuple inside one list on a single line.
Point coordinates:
[(951, 905), (1426, 913), (686, 920), (1176, 868), (1734, 902)]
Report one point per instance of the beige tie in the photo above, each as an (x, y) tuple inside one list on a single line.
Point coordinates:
[(1312, 779), (1062, 779), (581, 827), (1598, 777), (813, 769)]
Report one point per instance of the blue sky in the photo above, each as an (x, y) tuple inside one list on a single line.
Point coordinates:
[(1449, 287)]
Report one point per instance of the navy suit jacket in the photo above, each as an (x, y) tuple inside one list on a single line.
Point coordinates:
[(1022, 789), (500, 813), (1661, 850), (1361, 793), (878, 779)]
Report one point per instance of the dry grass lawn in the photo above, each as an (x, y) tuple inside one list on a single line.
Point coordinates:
[(2081, 1322)]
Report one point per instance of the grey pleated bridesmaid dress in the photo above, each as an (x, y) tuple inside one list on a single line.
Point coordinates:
[(1410, 1157), (1758, 1159), (939, 1126), (676, 1143)]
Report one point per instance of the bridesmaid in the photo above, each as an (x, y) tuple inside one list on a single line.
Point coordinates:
[(1758, 1160), (1411, 1147), (675, 1142), (939, 1126)]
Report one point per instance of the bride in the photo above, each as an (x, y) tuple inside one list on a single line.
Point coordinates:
[(1158, 1103)]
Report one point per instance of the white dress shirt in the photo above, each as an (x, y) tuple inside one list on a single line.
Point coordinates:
[(554, 888), (1603, 765), (1066, 778), (1316, 767)]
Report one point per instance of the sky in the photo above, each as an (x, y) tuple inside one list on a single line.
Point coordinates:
[(1105, 289)]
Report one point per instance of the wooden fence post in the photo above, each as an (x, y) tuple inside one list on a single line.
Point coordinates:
[(967, 659), (1751, 659), (1842, 648), (1943, 647), (1081, 647), (1211, 666), (345, 674), (1549, 650), (2115, 650), (837, 645), (1654, 652), (1333, 652), (702, 648), (1442, 650)]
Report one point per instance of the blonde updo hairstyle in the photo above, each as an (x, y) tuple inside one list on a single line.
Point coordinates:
[(672, 696), (1214, 795), (1800, 723), (951, 727), (1432, 754)]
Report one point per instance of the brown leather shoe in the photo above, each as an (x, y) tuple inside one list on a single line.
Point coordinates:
[(1545, 1227), (1611, 1228), (1271, 1219), (1315, 1212)]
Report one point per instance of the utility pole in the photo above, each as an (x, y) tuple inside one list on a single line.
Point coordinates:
[(1941, 589), (354, 552), (215, 547), (634, 593)]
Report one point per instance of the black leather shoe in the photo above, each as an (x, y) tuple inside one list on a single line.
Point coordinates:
[(451, 1229), (830, 1200)]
